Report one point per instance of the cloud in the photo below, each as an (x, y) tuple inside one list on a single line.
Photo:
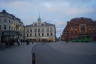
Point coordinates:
[(18, 5), (80, 11), (60, 7), (57, 11), (67, 8)]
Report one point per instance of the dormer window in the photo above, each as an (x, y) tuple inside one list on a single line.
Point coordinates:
[(42, 24), (4, 11)]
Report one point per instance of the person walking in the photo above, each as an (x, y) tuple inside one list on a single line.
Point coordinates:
[(18, 42), (27, 42)]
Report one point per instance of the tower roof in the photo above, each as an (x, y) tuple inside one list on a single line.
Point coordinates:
[(39, 19)]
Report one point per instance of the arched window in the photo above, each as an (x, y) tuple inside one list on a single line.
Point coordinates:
[(51, 34)]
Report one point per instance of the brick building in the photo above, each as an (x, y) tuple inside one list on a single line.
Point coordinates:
[(79, 27)]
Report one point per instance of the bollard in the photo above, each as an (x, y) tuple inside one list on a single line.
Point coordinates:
[(33, 58)]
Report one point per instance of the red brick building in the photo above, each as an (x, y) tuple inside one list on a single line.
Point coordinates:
[(79, 27)]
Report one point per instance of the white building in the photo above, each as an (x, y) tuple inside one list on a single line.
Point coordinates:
[(40, 31), (9, 22)]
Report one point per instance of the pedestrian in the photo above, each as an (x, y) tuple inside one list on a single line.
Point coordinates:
[(27, 42), (32, 42), (18, 42), (33, 58)]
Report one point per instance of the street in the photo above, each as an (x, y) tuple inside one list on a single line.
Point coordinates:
[(66, 53), (50, 53), (16, 55)]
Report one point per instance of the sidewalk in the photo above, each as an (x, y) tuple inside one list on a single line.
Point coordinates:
[(16, 55)]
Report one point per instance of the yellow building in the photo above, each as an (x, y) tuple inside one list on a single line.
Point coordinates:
[(10, 23)]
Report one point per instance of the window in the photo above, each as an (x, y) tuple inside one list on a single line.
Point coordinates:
[(27, 30), (51, 34), (42, 34), (5, 27), (47, 34), (30, 35), (82, 28), (47, 29), (27, 35), (38, 30), (0, 27), (31, 30), (35, 34), (39, 34), (9, 27), (42, 24), (35, 30), (42, 30), (35, 24), (5, 20), (51, 29), (9, 21), (0, 20)]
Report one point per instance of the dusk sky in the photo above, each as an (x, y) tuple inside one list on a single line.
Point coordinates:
[(57, 12)]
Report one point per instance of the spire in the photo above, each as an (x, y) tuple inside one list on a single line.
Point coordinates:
[(39, 19)]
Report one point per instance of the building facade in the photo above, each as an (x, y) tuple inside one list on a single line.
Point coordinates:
[(40, 31), (79, 27), (9, 22)]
